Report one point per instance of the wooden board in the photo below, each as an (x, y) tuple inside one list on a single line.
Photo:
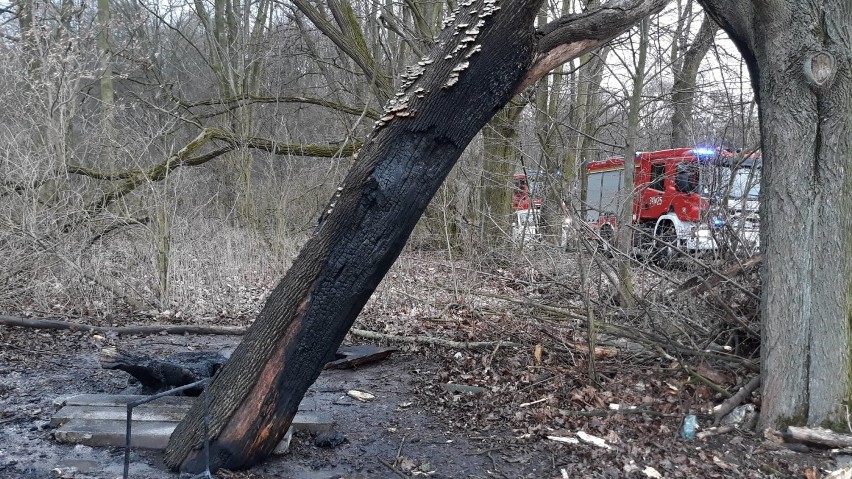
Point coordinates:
[(101, 420), (355, 356), (94, 432)]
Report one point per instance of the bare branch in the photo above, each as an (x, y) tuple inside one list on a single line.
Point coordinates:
[(235, 102), (571, 36), (158, 172)]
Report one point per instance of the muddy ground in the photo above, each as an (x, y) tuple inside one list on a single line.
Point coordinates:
[(536, 396)]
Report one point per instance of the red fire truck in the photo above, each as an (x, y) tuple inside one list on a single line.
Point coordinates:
[(526, 203), (685, 197)]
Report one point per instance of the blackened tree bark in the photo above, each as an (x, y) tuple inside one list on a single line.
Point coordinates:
[(478, 64), (799, 56), (403, 162)]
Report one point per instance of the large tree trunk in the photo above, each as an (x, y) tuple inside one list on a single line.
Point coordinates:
[(799, 55), (402, 164)]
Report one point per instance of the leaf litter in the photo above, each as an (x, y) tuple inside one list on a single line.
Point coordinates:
[(527, 409)]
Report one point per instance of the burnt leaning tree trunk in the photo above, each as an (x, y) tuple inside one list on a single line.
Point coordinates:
[(471, 74)]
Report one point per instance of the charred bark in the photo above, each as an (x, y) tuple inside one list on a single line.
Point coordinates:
[(257, 392), (156, 375)]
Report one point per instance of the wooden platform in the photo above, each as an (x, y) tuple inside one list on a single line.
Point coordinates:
[(101, 419)]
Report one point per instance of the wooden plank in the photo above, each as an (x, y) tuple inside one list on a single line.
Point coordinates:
[(355, 356), (121, 400), (153, 434)]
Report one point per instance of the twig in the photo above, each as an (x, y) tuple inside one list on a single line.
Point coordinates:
[(363, 333), (705, 381), (399, 450), (526, 302), (393, 469), (729, 404), (637, 335), (730, 316), (591, 332), (714, 271), (527, 404)]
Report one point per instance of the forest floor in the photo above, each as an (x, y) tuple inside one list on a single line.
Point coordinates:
[(520, 406)]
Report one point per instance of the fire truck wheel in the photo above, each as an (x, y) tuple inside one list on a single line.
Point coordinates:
[(664, 254)]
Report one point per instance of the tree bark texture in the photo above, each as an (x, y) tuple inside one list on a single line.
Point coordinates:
[(683, 90), (501, 155), (624, 235), (800, 59), (402, 164), (477, 65)]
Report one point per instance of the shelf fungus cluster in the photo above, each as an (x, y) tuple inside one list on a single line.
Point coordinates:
[(398, 107), (331, 204), (468, 32)]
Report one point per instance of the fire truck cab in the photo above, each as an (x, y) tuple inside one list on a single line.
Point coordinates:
[(526, 203), (676, 199)]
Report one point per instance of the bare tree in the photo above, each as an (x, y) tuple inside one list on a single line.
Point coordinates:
[(683, 90)]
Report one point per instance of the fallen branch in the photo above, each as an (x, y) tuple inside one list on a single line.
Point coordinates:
[(652, 340), (363, 333), (638, 335), (393, 469), (701, 284), (616, 412), (706, 381), (732, 402), (526, 302), (122, 330), (818, 436), (714, 431)]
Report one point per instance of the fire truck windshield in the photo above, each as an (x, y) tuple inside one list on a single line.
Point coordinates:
[(745, 183)]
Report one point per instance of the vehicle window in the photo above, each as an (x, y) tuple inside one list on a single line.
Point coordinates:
[(687, 177), (658, 176)]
